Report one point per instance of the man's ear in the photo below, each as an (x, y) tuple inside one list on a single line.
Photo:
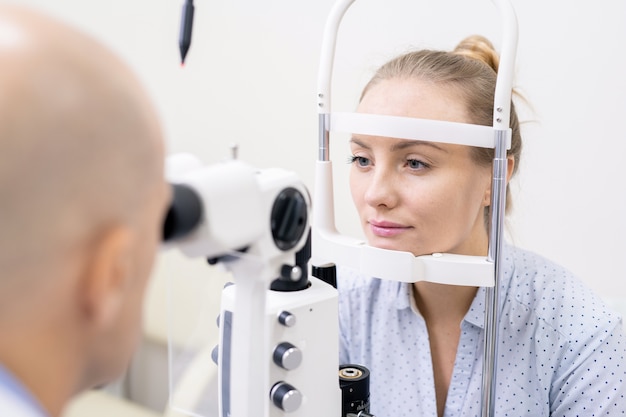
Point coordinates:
[(106, 276)]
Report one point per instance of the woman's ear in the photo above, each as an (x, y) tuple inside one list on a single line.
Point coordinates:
[(487, 197), (106, 276), (487, 194), (510, 168)]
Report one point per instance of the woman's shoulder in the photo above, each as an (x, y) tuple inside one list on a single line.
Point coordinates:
[(350, 282), (525, 266), (553, 293), (534, 277), (364, 299), (350, 279)]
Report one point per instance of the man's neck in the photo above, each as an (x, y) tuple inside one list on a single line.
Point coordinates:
[(38, 360)]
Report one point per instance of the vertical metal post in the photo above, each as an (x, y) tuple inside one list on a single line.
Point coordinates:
[(324, 137), (492, 302)]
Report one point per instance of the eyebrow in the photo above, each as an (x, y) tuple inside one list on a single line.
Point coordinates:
[(402, 144)]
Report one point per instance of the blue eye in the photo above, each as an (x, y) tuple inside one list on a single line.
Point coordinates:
[(416, 164), (359, 160)]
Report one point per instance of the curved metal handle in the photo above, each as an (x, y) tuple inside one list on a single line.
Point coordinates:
[(327, 58), (502, 102)]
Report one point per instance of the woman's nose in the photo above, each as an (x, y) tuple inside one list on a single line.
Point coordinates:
[(381, 190)]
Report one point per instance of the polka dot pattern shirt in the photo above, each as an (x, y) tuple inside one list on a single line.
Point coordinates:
[(561, 351)]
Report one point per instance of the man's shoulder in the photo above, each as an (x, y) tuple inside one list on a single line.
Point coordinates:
[(14, 400)]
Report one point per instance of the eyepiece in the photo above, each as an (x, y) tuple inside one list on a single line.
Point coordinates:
[(184, 214)]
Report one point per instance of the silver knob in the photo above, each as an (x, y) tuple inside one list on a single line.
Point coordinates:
[(287, 356), (286, 397), (287, 319), (215, 354)]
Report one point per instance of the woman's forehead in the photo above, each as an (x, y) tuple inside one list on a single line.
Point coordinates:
[(397, 144), (410, 97)]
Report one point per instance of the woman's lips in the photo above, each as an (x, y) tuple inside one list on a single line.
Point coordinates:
[(386, 229)]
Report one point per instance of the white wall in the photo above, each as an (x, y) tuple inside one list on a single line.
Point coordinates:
[(250, 78)]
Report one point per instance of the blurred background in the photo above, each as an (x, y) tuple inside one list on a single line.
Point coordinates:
[(250, 80)]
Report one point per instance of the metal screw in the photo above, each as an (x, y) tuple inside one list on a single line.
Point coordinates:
[(499, 109), (296, 273), (234, 150), (498, 120)]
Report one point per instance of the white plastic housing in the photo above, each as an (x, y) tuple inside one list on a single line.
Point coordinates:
[(237, 202), (315, 334)]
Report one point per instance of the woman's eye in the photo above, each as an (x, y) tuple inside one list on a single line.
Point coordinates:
[(416, 164), (359, 160)]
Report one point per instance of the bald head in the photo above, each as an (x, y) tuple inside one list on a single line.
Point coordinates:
[(80, 144)]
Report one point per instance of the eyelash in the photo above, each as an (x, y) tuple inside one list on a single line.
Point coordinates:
[(354, 158), (423, 164)]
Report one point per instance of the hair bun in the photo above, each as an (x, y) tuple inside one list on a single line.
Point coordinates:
[(480, 48)]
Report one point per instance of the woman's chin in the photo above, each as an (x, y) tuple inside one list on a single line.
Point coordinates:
[(388, 244)]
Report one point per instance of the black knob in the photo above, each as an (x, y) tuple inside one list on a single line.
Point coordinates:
[(286, 397), (287, 319), (287, 356), (327, 273), (288, 218)]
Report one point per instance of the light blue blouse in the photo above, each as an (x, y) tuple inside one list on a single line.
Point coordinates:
[(15, 400), (561, 351)]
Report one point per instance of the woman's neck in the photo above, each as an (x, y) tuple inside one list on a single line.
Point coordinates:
[(443, 303)]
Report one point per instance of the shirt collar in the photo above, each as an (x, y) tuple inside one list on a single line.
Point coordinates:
[(11, 384), (476, 313), (404, 295)]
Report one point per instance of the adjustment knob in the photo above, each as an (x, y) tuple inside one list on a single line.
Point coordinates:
[(287, 319), (287, 356), (289, 218), (286, 397), (215, 354)]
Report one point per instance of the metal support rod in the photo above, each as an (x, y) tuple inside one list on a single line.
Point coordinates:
[(324, 137), (327, 57), (492, 299)]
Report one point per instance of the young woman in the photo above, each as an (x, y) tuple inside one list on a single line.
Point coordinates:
[(561, 352)]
